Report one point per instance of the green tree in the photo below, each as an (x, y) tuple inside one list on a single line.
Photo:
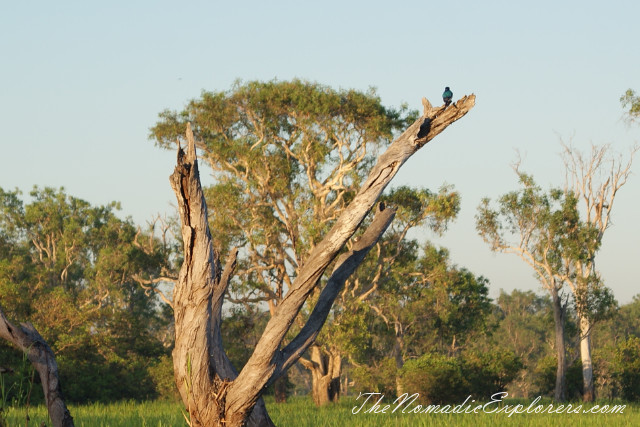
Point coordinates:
[(607, 336), (347, 329), (543, 229), (627, 368), (424, 304), (595, 180), (70, 269), (525, 327)]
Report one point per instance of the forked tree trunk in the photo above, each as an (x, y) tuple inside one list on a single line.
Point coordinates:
[(28, 340), (325, 371), (560, 392), (213, 392), (585, 355)]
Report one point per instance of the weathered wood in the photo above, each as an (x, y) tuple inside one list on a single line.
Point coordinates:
[(212, 391), (260, 367), (345, 266), (27, 339)]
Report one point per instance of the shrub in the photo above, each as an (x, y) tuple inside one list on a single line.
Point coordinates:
[(545, 378), (490, 372), (161, 374), (627, 368), (379, 378), (437, 378)]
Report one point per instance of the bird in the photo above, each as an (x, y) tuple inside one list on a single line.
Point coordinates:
[(446, 96)]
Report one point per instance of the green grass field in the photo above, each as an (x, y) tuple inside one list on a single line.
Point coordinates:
[(300, 412)]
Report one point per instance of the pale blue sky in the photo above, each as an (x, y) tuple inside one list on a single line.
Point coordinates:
[(81, 83)]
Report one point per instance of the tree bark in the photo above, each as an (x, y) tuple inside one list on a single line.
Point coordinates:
[(325, 375), (587, 365), (209, 385), (202, 369), (560, 392), (27, 339)]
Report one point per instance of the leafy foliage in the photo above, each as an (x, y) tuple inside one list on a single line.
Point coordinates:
[(286, 157), (627, 368), (545, 378), (631, 101), (442, 379), (438, 378), (71, 269)]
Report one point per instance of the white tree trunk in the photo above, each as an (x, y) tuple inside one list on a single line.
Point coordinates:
[(585, 355), (560, 392)]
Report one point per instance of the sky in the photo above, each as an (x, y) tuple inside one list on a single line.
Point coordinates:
[(82, 82)]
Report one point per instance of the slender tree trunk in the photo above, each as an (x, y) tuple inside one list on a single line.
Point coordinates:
[(28, 340), (397, 354), (560, 393), (587, 365)]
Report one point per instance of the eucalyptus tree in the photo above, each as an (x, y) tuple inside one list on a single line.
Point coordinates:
[(252, 165), (286, 158), (70, 269), (542, 229), (422, 304), (595, 179)]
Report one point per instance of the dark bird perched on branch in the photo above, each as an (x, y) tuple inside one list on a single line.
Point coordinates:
[(447, 96)]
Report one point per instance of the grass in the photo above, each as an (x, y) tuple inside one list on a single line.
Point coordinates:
[(300, 412), (121, 414)]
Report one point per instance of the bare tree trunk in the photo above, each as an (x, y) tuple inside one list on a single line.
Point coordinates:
[(28, 340), (585, 355), (202, 369), (209, 385), (560, 393)]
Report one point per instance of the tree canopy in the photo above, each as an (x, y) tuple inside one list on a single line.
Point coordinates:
[(286, 158), (71, 269)]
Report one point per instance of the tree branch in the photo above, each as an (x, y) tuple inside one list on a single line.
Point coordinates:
[(27, 339), (345, 266), (261, 366), (145, 282)]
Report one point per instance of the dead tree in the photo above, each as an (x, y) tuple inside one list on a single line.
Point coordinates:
[(27, 339), (213, 391), (595, 179)]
